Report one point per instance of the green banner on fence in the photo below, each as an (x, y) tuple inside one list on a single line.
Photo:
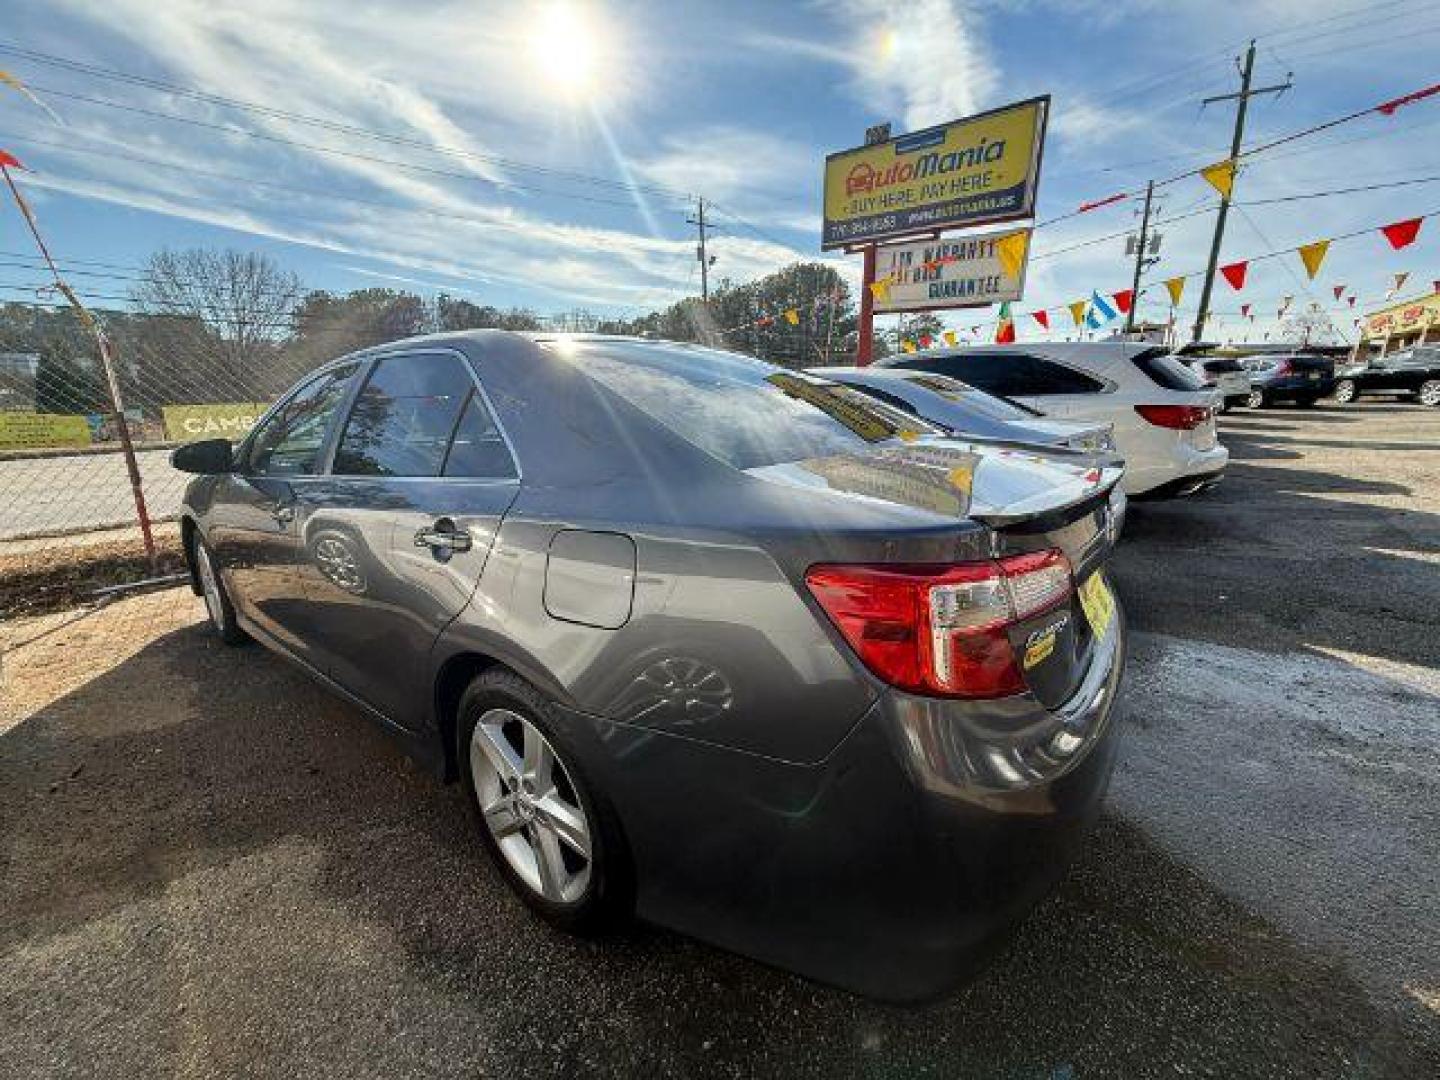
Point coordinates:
[(187, 423), (36, 431)]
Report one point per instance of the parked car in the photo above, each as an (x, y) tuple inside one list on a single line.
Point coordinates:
[(1410, 371), (1163, 416), (1225, 375), (1299, 377), (702, 638), (963, 410)]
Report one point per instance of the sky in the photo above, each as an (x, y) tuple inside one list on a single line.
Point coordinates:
[(548, 154)]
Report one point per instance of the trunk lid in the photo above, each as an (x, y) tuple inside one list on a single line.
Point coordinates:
[(1029, 500)]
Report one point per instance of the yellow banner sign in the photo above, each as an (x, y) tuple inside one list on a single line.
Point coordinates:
[(232, 420), (976, 171), (33, 431), (958, 271)]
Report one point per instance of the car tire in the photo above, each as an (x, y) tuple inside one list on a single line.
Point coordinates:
[(533, 825), (1346, 391), (1256, 400), (215, 595), (1429, 393)]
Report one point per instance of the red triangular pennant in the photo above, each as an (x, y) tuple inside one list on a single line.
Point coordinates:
[(1244, 310), (925, 341), (10, 160), (1123, 299), (1339, 291), (1042, 317), (1235, 274), (1402, 233), (1394, 103)]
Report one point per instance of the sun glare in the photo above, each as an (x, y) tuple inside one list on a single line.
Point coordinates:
[(568, 49)]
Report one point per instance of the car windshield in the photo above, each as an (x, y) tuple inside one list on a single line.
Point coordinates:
[(990, 405), (744, 411)]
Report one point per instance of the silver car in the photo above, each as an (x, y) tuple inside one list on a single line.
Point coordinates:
[(703, 639)]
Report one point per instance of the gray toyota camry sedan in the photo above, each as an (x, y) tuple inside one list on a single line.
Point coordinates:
[(724, 645)]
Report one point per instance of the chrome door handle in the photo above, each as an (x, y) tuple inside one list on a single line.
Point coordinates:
[(283, 514), (443, 539)]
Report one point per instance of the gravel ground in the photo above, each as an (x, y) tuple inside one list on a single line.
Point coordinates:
[(212, 868)]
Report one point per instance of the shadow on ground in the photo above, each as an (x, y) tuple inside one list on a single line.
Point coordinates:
[(214, 867)]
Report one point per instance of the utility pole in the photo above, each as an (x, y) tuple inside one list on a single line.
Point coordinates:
[(1242, 103), (706, 260), (1139, 259)]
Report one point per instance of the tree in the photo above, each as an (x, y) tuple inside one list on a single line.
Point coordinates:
[(225, 315), (65, 381), (1310, 326)]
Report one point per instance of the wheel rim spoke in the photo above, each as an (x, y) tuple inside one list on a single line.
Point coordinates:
[(538, 765), (549, 861), (566, 822), (490, 741)]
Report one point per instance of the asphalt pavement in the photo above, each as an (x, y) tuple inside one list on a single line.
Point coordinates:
[(212, 868), (72, 492)]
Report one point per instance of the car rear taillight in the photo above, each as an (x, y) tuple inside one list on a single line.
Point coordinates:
[(1179, 417), (941, 630)]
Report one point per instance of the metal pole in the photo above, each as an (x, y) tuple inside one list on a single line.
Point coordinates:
[(1240, 107), (866, 328), (1139, 260), (117, 403)]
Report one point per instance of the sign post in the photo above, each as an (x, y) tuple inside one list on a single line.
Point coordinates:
[(864, 347)]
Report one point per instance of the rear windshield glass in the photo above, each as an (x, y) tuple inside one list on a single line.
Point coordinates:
[(743, 411), (989, 405), (1167, 370)]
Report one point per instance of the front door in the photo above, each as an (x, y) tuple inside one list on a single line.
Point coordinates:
[(396, 536), (254, 527)]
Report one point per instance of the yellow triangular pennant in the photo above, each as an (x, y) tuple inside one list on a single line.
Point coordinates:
[(1010, 250), (880, 289), (1176, 287), (1221, 176), (1077, 311), (792, 317), (1312, 255), (949, 337)]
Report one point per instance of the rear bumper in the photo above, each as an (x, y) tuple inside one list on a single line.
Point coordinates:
[(893, 868), (1185, 468), (1184, 485)]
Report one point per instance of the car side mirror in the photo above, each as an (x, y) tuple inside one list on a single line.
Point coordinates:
[(207, 457)]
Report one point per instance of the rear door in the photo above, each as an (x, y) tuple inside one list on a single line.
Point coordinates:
[(396, 535), (253, 528)]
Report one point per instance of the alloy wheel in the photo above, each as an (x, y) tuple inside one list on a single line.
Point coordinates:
[(1344, 391), (1255, 400), (1430, 392), (530, 806), (209, 585)]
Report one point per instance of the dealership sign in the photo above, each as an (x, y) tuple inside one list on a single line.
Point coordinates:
[(187, 423), (958, 271), (976, 171)]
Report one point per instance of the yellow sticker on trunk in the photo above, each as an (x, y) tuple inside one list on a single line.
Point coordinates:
[(1040, 648), (1098, 602)]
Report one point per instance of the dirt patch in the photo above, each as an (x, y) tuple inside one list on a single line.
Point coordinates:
[(37, 580)]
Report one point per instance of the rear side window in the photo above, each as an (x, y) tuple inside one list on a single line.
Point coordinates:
[(1011, 374), (989, 405), (1167, 371), (288, 443), (478, 449), (405, 417)]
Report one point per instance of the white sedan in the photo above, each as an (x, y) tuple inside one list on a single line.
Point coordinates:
[(1162, 413)]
